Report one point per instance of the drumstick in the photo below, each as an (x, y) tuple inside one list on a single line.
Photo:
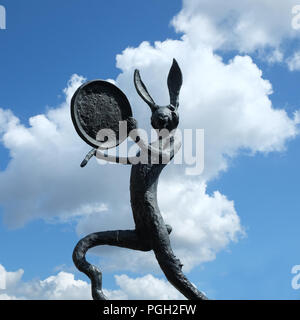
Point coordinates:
[(88, 157)]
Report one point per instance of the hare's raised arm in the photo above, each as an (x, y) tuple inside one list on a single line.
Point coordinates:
[(163, 117), (132, 125)]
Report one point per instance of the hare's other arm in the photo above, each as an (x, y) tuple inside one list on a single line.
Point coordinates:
[(98, 154), (154, 149), (115, 159)]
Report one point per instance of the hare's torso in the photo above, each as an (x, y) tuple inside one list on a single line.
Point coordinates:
[(143, 196)]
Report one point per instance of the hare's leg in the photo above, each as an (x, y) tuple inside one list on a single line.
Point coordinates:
[(171, 266), (120, 238)]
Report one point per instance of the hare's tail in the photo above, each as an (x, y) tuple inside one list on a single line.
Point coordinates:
[(120, 238), (171, 266)]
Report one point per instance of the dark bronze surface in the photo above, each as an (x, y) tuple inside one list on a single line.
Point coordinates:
[(99, 105)]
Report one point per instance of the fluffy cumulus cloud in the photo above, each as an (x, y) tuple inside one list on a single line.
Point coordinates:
[(147, 288), (64, 286), (198, 218), (246, 26), (294, 61), (230, 100)]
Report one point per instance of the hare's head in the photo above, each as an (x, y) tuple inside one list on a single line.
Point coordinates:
[(163, 117)]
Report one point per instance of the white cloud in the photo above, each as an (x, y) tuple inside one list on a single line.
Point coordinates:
[(147, 288), (198, 218), (237, 25), (261, 26), (9, 279), (275, 56), (64, 286), (293, 62)]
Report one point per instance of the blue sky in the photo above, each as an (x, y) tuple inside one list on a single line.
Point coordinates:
[(47, 42)]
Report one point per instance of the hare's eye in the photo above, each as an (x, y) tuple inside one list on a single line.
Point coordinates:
[(172, 108)]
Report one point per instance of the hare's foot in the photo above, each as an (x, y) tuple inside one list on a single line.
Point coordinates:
[(120, 238), (171, 266)]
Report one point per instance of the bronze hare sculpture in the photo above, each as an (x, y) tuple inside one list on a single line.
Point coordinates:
[(151, 232)]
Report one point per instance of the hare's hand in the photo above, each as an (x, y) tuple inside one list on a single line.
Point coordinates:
[(88, 157), (133, 131), (131, 124), (98, 154)]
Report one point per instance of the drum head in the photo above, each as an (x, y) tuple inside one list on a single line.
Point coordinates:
[(96, 106)]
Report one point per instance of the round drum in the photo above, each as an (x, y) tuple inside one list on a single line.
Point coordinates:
[(97, 106)]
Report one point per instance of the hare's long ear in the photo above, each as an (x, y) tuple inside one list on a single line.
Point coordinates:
[(174, 83), (142, 90)]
